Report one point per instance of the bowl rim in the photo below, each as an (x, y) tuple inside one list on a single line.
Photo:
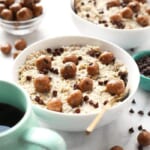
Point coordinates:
[(37, 107), (21, 22), (139, 55), (101, 27)]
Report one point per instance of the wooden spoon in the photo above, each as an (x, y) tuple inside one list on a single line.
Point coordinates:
[(98, 117)]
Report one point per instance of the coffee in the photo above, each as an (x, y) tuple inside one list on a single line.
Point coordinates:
[(9, 116)]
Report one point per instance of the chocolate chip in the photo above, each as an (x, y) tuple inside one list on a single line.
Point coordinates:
[(133, 101), (140, 147), (131, 111), (140, 127), (131, 130), (75, 86), (105, 102), (148, 113), (54, 93), (85, 98), (141, 112), (80, 58), (87, 15), (39, 100), (28, 78), (77, 111), (91, 102), (96, 105), (49, 50)]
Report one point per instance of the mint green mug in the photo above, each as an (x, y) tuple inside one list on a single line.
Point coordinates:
[(24, 134)]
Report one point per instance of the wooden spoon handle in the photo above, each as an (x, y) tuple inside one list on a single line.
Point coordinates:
[(92, 126)]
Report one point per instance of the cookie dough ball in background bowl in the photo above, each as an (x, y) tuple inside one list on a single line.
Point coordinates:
[(21, 17), (127, 24)]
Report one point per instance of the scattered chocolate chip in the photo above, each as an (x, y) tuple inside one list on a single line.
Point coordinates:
[(140, 147), (141, 112), (49, 50), (75, 86), (140, 127), (87, 15), (94, 53), (133, 101), (91, 102), (100, 82), (28, 78), (53, 70), (54, 93), (131, 130), (85, 98), (131, 111), (132, 49), (105, 102), (39, 100), (80, 58), (96, 105), (77, 111)]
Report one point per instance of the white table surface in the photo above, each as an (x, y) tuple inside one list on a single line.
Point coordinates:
[(58, 22)]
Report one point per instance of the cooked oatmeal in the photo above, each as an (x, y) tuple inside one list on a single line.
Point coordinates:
[(120, 14), (86, 86)]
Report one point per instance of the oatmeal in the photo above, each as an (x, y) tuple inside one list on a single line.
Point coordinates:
[(73, 79), (120, 14)]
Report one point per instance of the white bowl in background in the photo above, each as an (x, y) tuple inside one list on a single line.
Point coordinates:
[(125, 38), (79, 122)]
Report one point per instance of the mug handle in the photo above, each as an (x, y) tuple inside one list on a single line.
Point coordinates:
[(45, 138)]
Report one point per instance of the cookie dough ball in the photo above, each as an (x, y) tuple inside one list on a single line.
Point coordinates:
[(144, 138), (55, 104), (6, 48), (15, 7), (115, 86), (93, 69), (68, 70), (106, 57), (71, 58), (86, 84), (112, 3), (42, 83), (24, 14), (6, 14), (127, 13), (143, 20), (75, 98), (43, 63), (135, 6), (115, 19), (20, 44), (37, 10), (116, 148)]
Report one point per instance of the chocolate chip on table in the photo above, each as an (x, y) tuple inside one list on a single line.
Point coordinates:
[(148, 113), (140, 147), (131, 130), (133, 101), (140, 127), (131, 111), (141, 112)]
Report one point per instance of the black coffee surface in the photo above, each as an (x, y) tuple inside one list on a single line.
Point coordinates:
[(9, 116)]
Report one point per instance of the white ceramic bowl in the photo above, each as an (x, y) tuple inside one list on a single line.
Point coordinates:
[(125, 38), (79, 122)]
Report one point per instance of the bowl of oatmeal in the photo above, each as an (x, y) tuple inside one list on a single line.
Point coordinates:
[(70, 79), (124, 22)]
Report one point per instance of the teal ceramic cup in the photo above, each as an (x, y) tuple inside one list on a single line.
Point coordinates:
[(144, 80), (25, 134)]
